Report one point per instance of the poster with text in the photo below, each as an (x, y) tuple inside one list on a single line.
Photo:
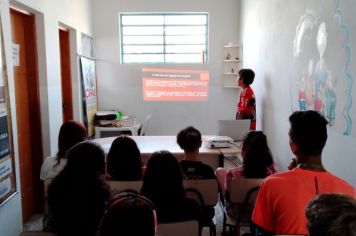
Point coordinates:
[(89, 93), (4, 137), (2, 91)]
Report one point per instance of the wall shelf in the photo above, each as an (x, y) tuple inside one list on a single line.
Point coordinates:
[(232, 64)]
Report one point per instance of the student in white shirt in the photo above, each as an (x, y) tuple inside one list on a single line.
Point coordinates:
[(70, 133)]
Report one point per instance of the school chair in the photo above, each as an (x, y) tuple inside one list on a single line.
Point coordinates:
[(35, 233), (125, 186), (186, 228), (205, 192), (241, 202)]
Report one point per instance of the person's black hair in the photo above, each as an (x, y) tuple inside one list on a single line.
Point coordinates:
[(77, 195), (163, 180), (247, 76), (130, 215), (189, 139), (331, 215), (258, 156), (308, 131), (70, 133), (124, 160)]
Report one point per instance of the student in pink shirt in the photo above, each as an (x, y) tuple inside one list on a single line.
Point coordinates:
[(257, 159)]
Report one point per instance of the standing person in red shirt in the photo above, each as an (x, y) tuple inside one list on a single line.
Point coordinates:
[(246, 108), (283, 197)]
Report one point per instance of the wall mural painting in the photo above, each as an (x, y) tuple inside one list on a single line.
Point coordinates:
[(320, 74)]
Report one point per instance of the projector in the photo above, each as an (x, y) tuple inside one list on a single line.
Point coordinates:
[(218, 141)]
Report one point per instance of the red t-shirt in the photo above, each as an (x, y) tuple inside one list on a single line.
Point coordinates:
[(247, 104), (282, 198)]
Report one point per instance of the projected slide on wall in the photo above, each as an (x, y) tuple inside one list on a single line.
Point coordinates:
[(175, 85)]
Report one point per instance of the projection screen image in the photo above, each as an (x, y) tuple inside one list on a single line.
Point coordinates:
[(175, 85)]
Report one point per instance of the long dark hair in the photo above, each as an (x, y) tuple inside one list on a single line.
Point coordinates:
[(257, 155), (124, 160), (70, 133), (163, 180), (77, 195)]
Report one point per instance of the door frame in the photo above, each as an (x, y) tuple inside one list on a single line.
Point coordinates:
[(35, 123)]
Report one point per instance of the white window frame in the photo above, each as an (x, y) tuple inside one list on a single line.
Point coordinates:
[(202, 54)]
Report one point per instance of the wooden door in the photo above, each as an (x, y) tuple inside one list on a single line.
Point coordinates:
[(27, 112), (67, 105)]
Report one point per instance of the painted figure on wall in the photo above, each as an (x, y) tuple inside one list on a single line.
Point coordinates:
[(310, 86), (330, 99), (301, 94), (320, 76), (321, 70)]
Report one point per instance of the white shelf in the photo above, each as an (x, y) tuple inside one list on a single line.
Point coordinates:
[(237, 60), (232, 64), (231, 86), (232, 46)]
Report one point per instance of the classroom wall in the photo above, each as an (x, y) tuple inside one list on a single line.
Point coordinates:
[(120, 86), (76, 15), (280, 44)]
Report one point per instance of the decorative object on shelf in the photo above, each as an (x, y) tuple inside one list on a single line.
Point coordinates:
[(228, 56)]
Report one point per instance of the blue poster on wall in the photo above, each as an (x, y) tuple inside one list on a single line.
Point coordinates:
[(4, 137)]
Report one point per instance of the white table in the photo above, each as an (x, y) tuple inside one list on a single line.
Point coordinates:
[(100, 131), (150, 144)]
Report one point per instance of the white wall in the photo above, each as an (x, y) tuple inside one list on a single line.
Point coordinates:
[(76, 15), (268, 29), (49, 14), (120, 86)]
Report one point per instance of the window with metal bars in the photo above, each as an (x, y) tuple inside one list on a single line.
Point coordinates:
[(163, 38)]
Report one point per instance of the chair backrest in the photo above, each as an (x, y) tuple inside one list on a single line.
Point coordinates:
[(186, 228), (243, 193), (244, 190), (125, 186), (221, 176), (35, 233), (144, 125), (205, 190)]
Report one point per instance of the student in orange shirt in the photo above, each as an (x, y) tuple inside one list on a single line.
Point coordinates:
[(283, 197)]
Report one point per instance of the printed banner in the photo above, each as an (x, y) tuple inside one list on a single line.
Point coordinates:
[(89, 90)]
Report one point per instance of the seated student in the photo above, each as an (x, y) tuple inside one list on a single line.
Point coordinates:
[(129, 214), (163, 185), (331, 215), (283, 197), (257, 159), (70, 133), (189, 139), (124, 160), (77, 195)]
